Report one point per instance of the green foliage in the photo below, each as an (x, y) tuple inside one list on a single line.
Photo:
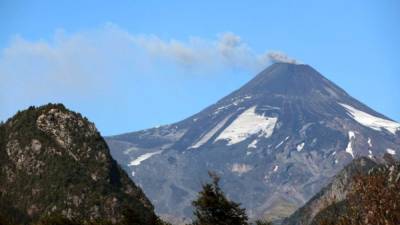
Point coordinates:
[(213, 208), (133, 217), (262, 222), (98, 222), (57, 220)]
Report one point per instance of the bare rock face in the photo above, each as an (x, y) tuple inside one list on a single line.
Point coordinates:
[(55, 161), (61, 125)]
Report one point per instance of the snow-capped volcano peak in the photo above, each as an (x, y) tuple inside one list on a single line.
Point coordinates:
[(280, 137)]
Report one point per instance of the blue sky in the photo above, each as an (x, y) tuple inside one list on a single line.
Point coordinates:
[(129, 65)]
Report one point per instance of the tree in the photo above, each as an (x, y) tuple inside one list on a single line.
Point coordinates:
[(212, 207), (262, 222)]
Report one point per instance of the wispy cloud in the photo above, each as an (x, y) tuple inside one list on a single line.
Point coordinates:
[(86, 63), (83, 54)]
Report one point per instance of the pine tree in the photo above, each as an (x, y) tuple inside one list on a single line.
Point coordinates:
[(213, 208), (262, 222)]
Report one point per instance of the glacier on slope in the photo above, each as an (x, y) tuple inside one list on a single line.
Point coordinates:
[(142, 158), (371, 121), (247, 124), (204, 139)]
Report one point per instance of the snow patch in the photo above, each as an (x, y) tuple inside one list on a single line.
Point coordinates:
[(268, 107), (204, 139), (241, 168), (369, 142), (349, 148), (300, 147), (280, 143), (235, 102), (253, 144), (142, 158), (314, 141), (373, 122), (219, 109), (391, 151), (370, 155), (247, 124)]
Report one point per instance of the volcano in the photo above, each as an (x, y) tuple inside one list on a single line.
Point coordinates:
[(275, 142)]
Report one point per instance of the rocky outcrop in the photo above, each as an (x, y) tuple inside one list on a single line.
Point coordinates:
[(54, 161)]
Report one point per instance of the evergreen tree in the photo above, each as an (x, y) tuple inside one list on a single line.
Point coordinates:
[(262, 222), (213, 208)]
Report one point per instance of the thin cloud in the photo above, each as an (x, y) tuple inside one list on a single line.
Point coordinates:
[(87, 64), (67, 57)]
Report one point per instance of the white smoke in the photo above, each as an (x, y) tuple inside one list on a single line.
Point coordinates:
[(280, 57)]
